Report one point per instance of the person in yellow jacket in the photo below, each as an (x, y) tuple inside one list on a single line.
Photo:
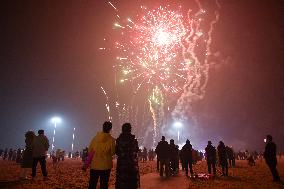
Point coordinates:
[(101, 151)]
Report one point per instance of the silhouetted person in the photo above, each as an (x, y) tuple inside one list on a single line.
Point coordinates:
[(85, 154), (181, 160), (187, 157), (151, 155), (162, 151), (14, 156), (270, 157), (102, 147), (144, 154), (5, 155), (158, 161), (251, 161), (69, 154), (19, 156), (231, 157), (10, 154), (127, 170), (173, 157), (27, 162), (222, 154), (211, 157), (40, 146)]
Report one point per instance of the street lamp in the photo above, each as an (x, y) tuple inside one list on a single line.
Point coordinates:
[(178, 125), (55, 121), (72, 146)]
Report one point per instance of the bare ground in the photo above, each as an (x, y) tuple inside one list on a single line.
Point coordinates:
[(70, 175)]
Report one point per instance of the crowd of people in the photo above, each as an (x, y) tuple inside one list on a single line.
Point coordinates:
[(103, 148)]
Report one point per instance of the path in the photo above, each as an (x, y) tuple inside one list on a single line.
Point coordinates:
[(153, 181)]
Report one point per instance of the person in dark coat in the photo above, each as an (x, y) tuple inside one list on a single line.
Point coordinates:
[(210, 153), (10, 154), (127, 170), (19, 155), (85, 154), (144, 154), (187, 157), (40, 147), (270, 157), (230, 154), (173, 157), (5, 155), (222, 156), (27, 162), (163, 154), (181, 160)]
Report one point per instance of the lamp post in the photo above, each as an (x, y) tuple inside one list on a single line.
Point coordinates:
[(55, 121), (178, 125), (72, 146)]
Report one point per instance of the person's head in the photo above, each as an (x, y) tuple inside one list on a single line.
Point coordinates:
[(221, 143), (29, 134), (209, 142), (126, 128), (187, 141), (107, 126), (41, 132), (163, 138), (269, 138), (172, 141)]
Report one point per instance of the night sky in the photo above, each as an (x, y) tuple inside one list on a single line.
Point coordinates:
[(51, 65)]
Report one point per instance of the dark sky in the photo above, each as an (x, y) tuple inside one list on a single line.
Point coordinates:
[(50, 65)]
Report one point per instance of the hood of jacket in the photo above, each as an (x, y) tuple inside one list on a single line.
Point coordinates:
[(102, 137), (103, 145)]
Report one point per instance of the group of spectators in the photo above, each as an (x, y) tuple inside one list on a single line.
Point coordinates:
[(35, 150), (145, 155), (11, 155), (169, 156), (103, 147), (101, 150)]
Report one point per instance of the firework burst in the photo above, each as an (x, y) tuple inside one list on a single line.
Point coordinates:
[(166, 50), (151, 49)]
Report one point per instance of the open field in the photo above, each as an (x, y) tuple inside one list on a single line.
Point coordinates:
[(70, 175)]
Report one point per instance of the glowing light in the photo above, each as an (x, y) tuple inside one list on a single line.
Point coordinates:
[(56, 120), (177, 124), (112, 5)]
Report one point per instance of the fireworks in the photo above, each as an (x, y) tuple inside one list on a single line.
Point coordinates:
[(156, 104), (166, 50), (151, 49), (107, 104)]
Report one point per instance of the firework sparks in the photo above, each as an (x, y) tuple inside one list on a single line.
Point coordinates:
[(156, 104), (151, 48), (167, 50), (107, 104)]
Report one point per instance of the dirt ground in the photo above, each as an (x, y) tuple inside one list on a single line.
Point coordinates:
[(70, 175)]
